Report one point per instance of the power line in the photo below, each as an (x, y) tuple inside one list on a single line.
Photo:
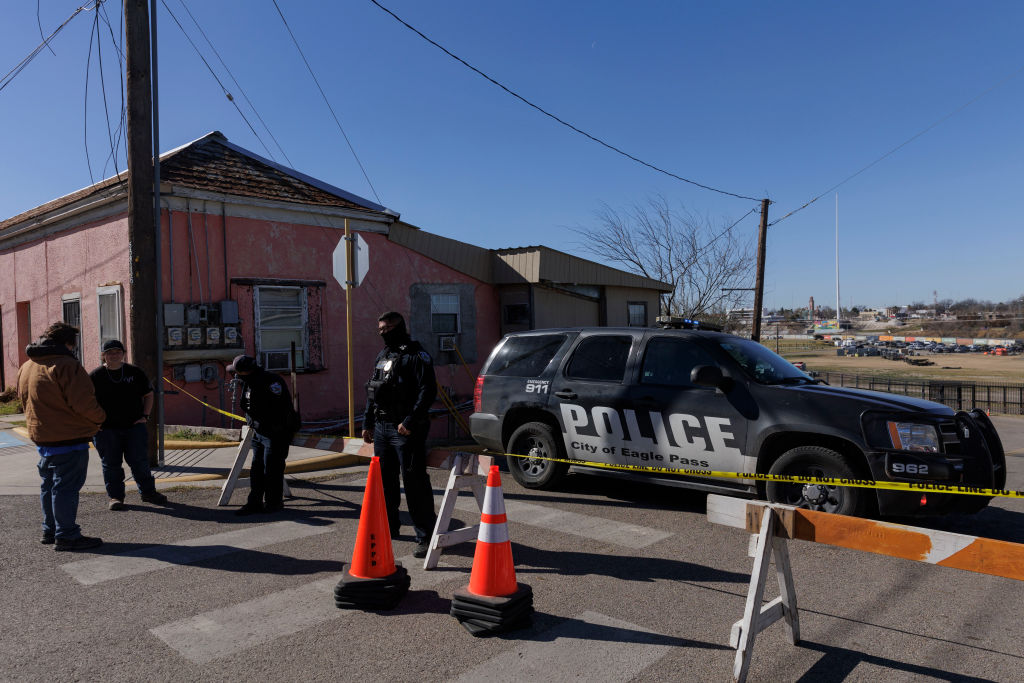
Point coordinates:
[(20, 66), (901, 145), (119, 132), (85, 107), (103, 89), (327, 102), (227, 94), (235, 81), (550, 115), (39, 23)]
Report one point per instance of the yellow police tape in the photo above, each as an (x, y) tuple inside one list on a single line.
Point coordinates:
[(213, 408), (714, 474), (922, 487)]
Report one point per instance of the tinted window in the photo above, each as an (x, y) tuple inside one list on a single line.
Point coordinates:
[(762, 364), (525, 356), (669, 360), (601, 357)]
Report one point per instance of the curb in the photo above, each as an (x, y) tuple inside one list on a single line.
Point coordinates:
[(353, 454), (181, 445)]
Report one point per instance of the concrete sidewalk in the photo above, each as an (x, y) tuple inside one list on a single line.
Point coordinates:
[(199, 466)]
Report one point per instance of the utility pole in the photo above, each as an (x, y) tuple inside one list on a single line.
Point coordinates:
[(762, 238), (142, 245)]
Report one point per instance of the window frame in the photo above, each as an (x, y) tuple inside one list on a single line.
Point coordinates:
[(457, 313), (65, 299), (101, 292), (259, 326), (629, 305)]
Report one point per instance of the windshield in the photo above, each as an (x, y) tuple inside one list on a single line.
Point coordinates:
[(762, 364)]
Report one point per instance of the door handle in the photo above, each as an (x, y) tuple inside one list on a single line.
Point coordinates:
[(567, 393)]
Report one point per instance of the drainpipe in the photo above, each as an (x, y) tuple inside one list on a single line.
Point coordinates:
[(224, 244)]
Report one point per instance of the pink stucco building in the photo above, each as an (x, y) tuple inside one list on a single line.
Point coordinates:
[(248, 250)]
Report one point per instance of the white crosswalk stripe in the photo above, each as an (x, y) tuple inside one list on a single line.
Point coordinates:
[(221, 632), (151, 558), (587, 526), (592, 647)]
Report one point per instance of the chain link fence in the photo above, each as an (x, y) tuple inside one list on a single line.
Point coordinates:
[(996, 398)]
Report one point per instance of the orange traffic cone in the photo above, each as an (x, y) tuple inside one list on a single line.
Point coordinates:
[(493, 602), (373, 556), (494, 573), (373, 579)]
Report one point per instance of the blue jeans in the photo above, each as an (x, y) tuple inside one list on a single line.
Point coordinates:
[(131, 444), (266, 476), (63, 476)]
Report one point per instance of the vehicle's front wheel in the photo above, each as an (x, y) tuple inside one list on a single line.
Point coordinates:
[(816, 461), (538, 441)]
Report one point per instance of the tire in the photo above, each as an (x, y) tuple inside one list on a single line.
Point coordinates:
[(537, 439), (821, 462)]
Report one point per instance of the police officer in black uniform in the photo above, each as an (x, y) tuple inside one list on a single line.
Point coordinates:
[(398, 398), (269, 413)]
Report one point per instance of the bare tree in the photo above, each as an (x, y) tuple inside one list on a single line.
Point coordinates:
[(679, 247)]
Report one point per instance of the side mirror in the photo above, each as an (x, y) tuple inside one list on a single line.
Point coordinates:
[(710, 376)]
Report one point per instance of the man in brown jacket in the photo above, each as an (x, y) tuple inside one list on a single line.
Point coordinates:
[(62, 415)]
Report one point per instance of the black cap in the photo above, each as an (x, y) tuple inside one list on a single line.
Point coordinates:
[(111, 344), (243, 363)]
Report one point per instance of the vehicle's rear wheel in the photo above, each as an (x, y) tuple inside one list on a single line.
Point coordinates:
[(816, 461), (537, 440)]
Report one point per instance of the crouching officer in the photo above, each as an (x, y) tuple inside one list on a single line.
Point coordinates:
[(398, 398), (269, 413)]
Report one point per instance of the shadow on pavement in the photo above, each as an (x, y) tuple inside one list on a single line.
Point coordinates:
[(543, 631), (530, 560), (227, 558), (838, 663), (307, 510)]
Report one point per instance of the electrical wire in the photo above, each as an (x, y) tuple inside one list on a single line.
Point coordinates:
[(85, 107), (20, 66), (103, 90), (552, 116), (901, 145), (235, 81), (227, 94), (327, 102), (39, 23), (119, 133)]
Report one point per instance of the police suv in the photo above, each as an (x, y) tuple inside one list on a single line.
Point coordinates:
[(685, 397)]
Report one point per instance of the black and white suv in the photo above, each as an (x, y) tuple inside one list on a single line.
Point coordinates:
[(691, 398)]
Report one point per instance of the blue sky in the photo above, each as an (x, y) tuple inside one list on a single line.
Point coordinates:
[(776, 99)]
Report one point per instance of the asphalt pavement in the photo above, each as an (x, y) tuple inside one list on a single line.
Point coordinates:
[(630, 582)]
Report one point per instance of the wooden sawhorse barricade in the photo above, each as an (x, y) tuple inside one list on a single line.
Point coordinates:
[(233, 481), (774, 525), (467, 470)]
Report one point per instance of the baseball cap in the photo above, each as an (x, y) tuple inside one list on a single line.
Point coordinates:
[(111, 344), (243, 363)]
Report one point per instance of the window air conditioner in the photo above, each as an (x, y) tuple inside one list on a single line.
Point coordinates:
[(446, 344)]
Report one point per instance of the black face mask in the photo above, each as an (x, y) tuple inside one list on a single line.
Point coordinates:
[(395, 337)]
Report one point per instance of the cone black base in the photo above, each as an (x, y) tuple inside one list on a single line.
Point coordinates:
[(356, 592), (483, 615)]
